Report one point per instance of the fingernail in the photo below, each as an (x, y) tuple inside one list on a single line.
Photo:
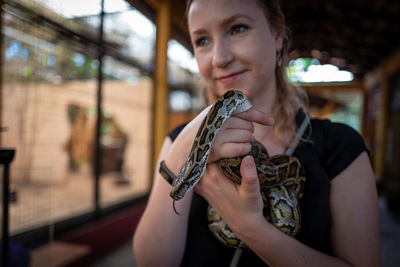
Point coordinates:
[(249, 162), (271, 120)]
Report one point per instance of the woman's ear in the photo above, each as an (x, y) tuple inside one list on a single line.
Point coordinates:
[(279, 31), (279, 41)]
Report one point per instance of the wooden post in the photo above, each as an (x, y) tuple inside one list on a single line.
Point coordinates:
[(1, 73), (160, 122), (381, 129), (384, 72)]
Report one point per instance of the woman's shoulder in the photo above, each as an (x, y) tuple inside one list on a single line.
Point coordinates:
[(341, 144), (336, 132)]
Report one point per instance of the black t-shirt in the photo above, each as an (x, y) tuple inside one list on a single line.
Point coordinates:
[(333, 148)]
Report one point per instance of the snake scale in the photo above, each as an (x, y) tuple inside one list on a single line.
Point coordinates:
[(281, 177)]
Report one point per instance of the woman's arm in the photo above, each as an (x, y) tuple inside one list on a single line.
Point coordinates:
[(355, 220), (355, 230), (160, 237)]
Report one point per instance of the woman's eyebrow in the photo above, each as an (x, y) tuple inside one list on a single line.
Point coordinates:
[(231, 19), (199, 32), (224, 22)]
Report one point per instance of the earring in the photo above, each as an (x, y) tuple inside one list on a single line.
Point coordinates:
[(279, 58)]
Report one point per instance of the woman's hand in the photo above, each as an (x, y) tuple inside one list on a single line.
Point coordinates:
[(234, 139), (239, 205), (237, 134)]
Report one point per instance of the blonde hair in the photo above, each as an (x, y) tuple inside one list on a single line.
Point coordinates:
[(290, 98)]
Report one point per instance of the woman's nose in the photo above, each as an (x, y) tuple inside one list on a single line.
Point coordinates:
[(222, 54)]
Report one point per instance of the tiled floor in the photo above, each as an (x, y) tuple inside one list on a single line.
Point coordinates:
[(390, 233)]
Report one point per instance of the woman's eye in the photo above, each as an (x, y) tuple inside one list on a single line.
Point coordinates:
[(238, 28), (201, 41)]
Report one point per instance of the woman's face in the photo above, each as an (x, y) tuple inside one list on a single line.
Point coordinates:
[(234, 46)]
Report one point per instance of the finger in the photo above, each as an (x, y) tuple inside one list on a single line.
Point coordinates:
[(250, 184), (232, 143), (235, 136), (238, 123), (257, 116), (210, 182), (231, 150)]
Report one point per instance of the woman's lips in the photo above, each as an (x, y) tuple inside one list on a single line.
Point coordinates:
[(226, 79)]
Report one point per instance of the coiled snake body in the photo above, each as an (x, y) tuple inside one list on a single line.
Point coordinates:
[(281, 177)]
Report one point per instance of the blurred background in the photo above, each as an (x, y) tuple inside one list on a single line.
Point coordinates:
[(89, 89)]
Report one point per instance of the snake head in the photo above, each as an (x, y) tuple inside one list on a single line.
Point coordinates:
[(180, 191), (186, 181)]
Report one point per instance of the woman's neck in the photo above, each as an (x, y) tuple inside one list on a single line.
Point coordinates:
[(275, 143), (265, 98), (264, 101)]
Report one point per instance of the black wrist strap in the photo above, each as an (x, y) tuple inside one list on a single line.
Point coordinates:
[(166, 173)]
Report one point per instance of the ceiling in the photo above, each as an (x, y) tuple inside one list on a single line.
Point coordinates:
[(354, 35)]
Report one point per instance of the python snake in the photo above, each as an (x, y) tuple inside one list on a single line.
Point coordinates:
[(281, 177)]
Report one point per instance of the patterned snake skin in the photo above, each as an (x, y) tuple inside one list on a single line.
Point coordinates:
[(281, 177)]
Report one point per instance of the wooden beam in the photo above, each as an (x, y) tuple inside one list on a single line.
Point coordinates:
[(160, 122), (180, 31), (333, 86), (384, 72)]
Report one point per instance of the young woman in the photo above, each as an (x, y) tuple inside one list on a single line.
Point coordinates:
[(242, 44)]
